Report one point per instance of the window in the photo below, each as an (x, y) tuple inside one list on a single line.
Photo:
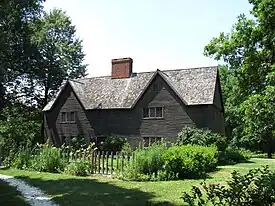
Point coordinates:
[(153, 112), (67, 117), (147, 141)]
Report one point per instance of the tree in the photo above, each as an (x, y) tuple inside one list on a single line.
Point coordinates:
[(249, 52), (259, 118), (60, 54), (16, 50)]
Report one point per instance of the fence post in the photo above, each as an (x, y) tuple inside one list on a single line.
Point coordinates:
[(92, 161), (112, 159), (122, 161), (98, 162), (103, 158), (107, 160)]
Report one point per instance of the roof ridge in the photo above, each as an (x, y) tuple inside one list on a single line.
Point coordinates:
[(208, 67), (165, 70)]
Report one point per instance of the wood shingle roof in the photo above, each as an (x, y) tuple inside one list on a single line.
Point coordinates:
[(194, 86)]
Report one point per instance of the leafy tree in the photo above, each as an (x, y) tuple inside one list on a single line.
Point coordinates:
[(20, 124), (60, 54), (232, 99), (259, 119), (16, 50), (249, 53)]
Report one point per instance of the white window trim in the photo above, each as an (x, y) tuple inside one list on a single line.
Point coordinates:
[(154, 117), (150, 140)]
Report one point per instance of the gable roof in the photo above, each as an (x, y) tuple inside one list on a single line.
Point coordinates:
[(193, 86)]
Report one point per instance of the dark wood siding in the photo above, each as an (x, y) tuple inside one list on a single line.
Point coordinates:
[(130, 123), (174, 114), (67, 102)]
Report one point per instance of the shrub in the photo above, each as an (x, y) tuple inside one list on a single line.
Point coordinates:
[(78, 142), (195, 136), (233, 155), (49, 160), (113, 143), (126, 148), (21, 159), (190, 161), (256, 188), (146, 164), (78, 168)]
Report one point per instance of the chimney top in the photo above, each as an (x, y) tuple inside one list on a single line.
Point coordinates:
[(122, 67)]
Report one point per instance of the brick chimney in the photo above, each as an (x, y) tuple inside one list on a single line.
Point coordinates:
[(122, 68)]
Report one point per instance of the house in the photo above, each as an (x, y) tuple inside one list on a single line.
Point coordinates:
[(146, 106)]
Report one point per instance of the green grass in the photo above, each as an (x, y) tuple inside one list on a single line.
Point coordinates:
[(10, 196), (100, 190)]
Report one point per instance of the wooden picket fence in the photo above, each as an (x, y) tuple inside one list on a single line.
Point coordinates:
[(102, 162)]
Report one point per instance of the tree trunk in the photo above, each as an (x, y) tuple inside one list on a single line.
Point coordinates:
[(44, 103), (269, 148)]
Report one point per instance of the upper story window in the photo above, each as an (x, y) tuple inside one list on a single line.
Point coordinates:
[(67, 117), (153, 112)]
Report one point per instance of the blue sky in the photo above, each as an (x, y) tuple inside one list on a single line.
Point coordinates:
[(157, 34)]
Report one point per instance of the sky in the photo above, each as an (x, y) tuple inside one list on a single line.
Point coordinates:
[(156, 34)]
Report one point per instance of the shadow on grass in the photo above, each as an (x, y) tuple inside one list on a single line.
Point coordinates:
[(234, 162), (78, 191), (10, 196)]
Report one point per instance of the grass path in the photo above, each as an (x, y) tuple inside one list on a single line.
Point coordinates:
[(70, 190)]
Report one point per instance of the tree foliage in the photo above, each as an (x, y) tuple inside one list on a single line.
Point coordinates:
[(249, 53), (38, 51), (60, 54)]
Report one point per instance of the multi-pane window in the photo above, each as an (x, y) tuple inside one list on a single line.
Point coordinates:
[(152, 112), (147, 141), (67, 117)]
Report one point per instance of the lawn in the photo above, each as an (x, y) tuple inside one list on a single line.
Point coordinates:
[(100, 190), (10, 196)]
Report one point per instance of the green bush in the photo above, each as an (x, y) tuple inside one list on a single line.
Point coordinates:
[(195, 136), (78, 142), (233, 155), (49, 160), (148, 162), (21, 159), (113, 143), (78, 168), (190, 161), (256, 188), (126, 148)]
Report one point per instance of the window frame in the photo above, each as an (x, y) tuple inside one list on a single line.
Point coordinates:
[(150, 142), (147, 115), (67, 116)]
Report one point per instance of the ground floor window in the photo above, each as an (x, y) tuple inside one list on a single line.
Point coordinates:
[(147, 141)]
